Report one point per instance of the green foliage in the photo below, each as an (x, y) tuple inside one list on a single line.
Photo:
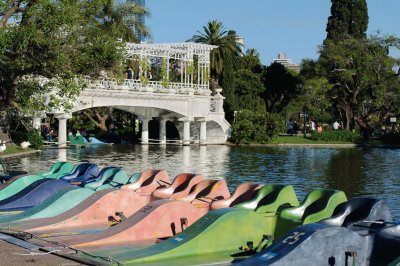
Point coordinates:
[(366, 90), (35, 139), (256, 127), (336, 135), (144, 65), (348, 18), (79, 38), (214, 33), (251, 61), (228, 85), (281, 86), (79, 120), (163, 74), (248, 88), (206, 74)]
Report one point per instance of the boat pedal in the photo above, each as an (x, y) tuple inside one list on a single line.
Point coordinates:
[(121, 215), (265, 241), (352, 254), (184, 223)]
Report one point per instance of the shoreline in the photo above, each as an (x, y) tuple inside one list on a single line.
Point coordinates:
[(19, 154), (305, 145)]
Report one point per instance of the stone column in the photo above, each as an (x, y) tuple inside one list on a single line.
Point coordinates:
[(203, 132), (163, 133), (186, 133), (62, 129), (145, 131)]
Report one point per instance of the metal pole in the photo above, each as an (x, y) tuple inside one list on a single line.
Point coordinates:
[(305, 128)]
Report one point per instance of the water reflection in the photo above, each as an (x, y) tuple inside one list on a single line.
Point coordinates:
[(356, 171), (346, 172)]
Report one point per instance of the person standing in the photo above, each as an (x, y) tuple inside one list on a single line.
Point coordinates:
[(129, 73), (336, 125), (313, 125)]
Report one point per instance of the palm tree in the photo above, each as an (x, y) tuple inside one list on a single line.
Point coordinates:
[(124, 17), (215, 34)]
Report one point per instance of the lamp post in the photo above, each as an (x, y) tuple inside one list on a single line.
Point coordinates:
[(304, 115)]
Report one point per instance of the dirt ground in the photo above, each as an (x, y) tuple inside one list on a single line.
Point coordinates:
[(12, 255)]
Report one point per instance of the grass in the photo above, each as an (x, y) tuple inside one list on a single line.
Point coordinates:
[(302, 140), (14, 149)]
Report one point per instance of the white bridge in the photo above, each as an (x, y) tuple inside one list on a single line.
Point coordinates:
[(179, 92)]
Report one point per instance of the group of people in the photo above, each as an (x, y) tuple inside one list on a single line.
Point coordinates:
[(293, 126), (48, 133), (130, 74)]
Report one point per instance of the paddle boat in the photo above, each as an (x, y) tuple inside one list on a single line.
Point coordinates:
[(95, 211), (44, 188), (80, 140), (360, 232), (217, 236), (18, 183), (70, 196), (96, 208), (159, 219)]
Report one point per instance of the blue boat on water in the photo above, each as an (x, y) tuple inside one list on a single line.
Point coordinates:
[(81, 140)]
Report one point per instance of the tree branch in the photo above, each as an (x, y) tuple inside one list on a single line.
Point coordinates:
[(14, 9)]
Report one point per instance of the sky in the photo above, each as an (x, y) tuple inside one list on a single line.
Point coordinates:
[(294, 27)]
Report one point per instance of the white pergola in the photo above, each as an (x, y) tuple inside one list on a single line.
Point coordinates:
[(183, 52)]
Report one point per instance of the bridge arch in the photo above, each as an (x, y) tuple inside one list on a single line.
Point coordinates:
[(187, 103)]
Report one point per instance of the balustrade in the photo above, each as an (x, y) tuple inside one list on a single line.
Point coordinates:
[(134, 85)]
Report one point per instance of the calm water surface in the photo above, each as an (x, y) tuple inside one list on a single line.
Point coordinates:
[(357, 171)]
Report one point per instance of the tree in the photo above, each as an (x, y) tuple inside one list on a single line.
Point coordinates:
[(228, 85), (314, 96), (281, 86), (40, 52), (256, 127), (366, 88), (348, 18), (215, 34), (248, 88), (250, 60), (125, 16)]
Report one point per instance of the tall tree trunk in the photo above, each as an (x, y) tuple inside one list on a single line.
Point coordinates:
[(4, 127)]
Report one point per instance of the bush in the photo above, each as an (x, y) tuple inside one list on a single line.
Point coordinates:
[(336, 135), (18, 136), (35, 139), (256, 127)]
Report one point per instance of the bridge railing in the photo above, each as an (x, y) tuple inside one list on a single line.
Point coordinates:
[(133, 85)]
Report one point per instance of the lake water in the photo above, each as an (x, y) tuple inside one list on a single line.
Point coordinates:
[(356, 171)]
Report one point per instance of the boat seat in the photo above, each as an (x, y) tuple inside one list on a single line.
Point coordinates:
[(216, 190), (269, 198), (158, 179), (148, 181), (318, 204), (54, 168), (82, 172), (386, 246), (65, 168), (357, 210), (181, 186), (243, 192), (105, 174), (209, 188), (119, 179)]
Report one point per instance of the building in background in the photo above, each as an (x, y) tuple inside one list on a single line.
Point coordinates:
[(238, 39), (130, 19), (286, 62)]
